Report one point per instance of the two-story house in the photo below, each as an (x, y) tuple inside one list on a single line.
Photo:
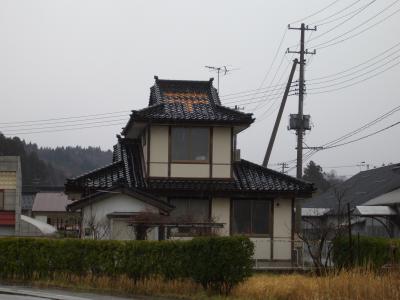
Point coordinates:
[(177, 158)]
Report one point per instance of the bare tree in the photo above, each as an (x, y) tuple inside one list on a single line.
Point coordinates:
[(96, 228), (322, 230)]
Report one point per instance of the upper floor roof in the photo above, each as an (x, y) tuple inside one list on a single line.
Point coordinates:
[(184, 101)]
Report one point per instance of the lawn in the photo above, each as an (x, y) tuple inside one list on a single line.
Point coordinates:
[(344, 285)]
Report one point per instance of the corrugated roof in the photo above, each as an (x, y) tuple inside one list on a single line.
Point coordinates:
[(49, 201), (373, 211)]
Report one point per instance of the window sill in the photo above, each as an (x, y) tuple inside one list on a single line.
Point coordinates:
[(253, 235), (201, 162)]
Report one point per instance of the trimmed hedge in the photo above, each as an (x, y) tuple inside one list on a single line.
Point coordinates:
[(367, 251), (217, 263)]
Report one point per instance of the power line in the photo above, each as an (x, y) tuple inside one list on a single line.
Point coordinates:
[(273, 60), (27, 127), (356, 66), (106, 118), (363, 137), (343, 22), (357, 82), (251, 94), (311, 153), (324, 44), (317, 12), (319, 22), (357, 34), (352, 78), (276, 72), (249, 91), (66, 118), (67, 129)]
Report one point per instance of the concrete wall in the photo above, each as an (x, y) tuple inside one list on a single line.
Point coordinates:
[(98, 211), (220, 212)]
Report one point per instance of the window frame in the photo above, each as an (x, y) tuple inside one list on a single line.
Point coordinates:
[(270, 221), (2, 199), (190, 161)]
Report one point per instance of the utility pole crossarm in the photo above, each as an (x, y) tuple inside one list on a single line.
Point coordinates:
[(279, 116)]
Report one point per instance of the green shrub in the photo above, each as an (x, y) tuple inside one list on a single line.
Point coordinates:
[(366, 251), (217, 263)]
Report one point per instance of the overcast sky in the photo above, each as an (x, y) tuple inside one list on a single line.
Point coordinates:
[(72, 58)]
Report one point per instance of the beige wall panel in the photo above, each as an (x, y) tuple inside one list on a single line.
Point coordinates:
[(190, 170), (8, 180), (282, 229), (262, 248), (282, 218), (222, 145), (282, 249), (220, 212), (221, 171), (10, 197), (159, 169), (159, 144), (121, 230)]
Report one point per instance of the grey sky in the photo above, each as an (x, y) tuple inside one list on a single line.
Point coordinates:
[(72, 58)]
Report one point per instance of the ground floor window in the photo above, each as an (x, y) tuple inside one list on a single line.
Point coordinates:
[(191, 210), (251, 216)]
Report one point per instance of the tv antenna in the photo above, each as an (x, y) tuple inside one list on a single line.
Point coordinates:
[(223, 69)]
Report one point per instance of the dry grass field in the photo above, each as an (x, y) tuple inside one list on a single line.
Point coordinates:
[(356, 284)]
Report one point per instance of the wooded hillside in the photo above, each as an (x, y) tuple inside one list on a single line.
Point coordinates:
[(48, 166)]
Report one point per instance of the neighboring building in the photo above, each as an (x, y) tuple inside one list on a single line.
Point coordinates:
[(177, 170), (377, 187), (10, 195), (51, 208)]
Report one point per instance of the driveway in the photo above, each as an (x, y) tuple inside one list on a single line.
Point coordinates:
[(8, 292)]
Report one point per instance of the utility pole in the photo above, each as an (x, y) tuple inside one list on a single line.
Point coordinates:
[(299, 122), (284, 166), (300, 128), (279, 116)]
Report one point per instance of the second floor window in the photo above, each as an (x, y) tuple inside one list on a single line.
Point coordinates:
[(190, 144)]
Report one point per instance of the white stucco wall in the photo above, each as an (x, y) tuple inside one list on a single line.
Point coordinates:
[(220, 212), (98, 211), (282, 229)]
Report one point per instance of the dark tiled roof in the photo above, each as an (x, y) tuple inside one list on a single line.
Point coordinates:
[(186, 101), (359, 189), (248, 177), (127, 169)]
